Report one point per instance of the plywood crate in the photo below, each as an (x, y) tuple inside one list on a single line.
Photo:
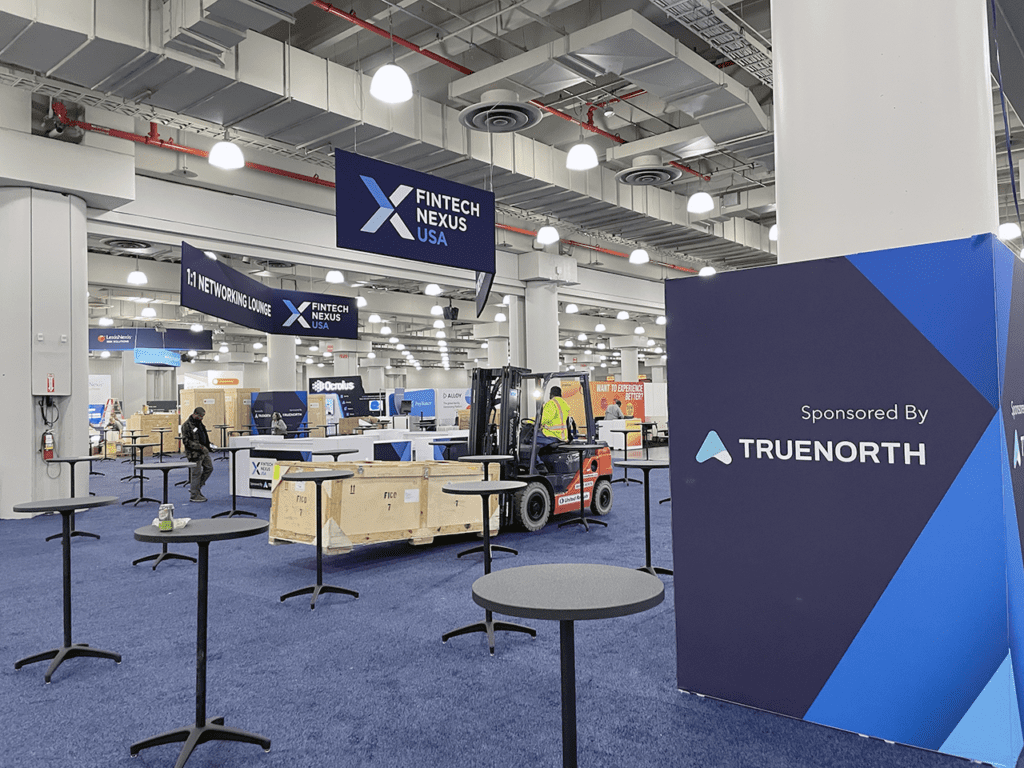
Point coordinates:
[(147, 422), (316, 411), (383, 501), (237, 407), (210, 399)]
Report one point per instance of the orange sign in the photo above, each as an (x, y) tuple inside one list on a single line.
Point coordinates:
[(226, 382), (603, 394)]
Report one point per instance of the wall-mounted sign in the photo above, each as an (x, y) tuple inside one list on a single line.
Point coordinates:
[(383, 208), (215, 289), (349, 390)]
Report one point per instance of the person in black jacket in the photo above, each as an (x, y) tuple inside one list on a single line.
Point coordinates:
[(197, 448)]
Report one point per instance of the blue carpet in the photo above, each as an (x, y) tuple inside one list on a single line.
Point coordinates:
[(362, 682)]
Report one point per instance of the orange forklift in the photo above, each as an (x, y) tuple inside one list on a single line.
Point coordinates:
[(500, 424)]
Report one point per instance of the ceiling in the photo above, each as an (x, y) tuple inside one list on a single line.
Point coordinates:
[(688, 81)]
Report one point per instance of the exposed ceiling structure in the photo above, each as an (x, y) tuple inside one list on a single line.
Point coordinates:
[(676, 96)]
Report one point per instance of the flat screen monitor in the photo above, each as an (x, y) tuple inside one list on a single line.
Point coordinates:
[(405, 407)]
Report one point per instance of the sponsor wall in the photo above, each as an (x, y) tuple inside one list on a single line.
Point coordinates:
[(603, 394), (291, 406), (349, 390), (846, 530)]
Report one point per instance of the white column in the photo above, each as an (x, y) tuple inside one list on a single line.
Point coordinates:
[(44, 309), (873, 101), (281, 363), (497, 352), (373, 375), (541, 326), (346, 355), (516, 332), (133, 385), (630, 363), (657, 370)]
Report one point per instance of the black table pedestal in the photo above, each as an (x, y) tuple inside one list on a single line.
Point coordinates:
[(488, 625), (316, 589), (234, 511), (73, 531), (205, 729), (567, 641), (583, 519), (654, 570), (68, 650), (159, 557)]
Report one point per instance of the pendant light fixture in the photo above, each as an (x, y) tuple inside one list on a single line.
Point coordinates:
[(773, 233), (700, 203), (582, 156), (138, 277), (639, 256), (390, 83), (707, 271), (548, 235), (148, 312), (1009, 231), (335, 276), (226, 155)]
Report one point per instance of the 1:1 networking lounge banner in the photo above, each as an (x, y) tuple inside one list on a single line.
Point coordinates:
[(385, 209), (845, 531), (215, 289)]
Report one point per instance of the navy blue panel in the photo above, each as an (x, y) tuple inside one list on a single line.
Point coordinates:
[(780, 561), (938, 633), (945, 290), (385, 209)]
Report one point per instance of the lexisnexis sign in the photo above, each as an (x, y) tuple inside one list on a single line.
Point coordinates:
[(386, 209)]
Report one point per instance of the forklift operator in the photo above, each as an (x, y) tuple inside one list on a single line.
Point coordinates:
[(554, 420)]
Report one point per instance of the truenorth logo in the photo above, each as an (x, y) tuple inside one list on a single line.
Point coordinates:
[(386, 211), (713, 448)]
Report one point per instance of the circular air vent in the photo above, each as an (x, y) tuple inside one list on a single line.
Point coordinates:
[(500, 112), (647, 169), (128, 246)]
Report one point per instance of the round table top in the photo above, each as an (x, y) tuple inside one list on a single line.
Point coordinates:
[(568, 591), (131, 431), (138, 436), (161, 429), (319, 475), (450, 441), (64, 505), (642, 463), (481, 458), (232, 448), (583, 446), (143, 445), (71, 459), (482, 487), (335, 451), (166, 466), (221, 426), (625, 431), (205, 530)]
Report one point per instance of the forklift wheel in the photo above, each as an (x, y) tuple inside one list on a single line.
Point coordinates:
[(533, 506), (601, 503)]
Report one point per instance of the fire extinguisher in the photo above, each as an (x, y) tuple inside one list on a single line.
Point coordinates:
[(47, 447)]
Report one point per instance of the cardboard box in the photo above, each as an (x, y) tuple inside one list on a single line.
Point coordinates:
[(383, 501), (350, 424)]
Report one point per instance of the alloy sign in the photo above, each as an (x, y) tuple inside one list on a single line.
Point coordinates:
[(216, 289), (386, 209)]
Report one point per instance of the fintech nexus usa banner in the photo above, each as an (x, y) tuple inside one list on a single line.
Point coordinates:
[(383, 208), (842, 489), (216, 289)]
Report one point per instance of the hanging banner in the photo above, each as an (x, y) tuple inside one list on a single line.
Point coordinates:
[(484, 281), (159, 358), (349, 390), (148, 338), (215, 289), (385, 209)]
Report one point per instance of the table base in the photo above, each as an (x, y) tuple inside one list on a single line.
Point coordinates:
[(490, 626), (483, 547), (59, 655), (235, 512), (194, 735), (626, 480), (654, 570), (130, 477), (139, 499), (73, 534), (161, 556), (315, 591), (664, 500), (586, 522)]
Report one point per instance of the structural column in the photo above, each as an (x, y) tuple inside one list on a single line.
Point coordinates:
[(346, 354), (872, 172), (630, 361), (496, 336), (280, 363), (541, 326), (44, 311)]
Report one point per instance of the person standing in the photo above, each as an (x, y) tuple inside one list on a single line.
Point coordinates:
[(614, 411), (196, 441), (277, 424)]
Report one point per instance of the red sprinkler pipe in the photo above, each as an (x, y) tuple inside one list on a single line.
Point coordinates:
[(352, 18)]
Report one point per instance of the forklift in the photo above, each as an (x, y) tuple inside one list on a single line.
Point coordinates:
[(499, 398)]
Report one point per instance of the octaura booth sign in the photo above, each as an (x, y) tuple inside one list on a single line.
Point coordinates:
[(845, 529), (216, 289), (385, 209)]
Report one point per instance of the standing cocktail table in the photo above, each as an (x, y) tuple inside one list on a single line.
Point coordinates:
[(159, 557), (142, 478), (69, 650), (71, 461), (201, 532), (485, 489), (318, 477), (625, 452), (567, 593), (583, 519), (487, 460), (233, 449), (223, 438), (646, 465)]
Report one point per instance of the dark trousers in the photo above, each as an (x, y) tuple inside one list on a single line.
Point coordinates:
[(201, 473)]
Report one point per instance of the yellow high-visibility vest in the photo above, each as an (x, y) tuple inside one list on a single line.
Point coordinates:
[(554, 419)]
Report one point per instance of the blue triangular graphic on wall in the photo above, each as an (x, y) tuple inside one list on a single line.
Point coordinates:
[(945, 290), (713, 448), (990, 731), (943, 615)]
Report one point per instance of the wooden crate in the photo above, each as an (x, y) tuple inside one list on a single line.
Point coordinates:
[(316, 412), (210, 399), (383, 501), (147, 422), (237, 407)]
